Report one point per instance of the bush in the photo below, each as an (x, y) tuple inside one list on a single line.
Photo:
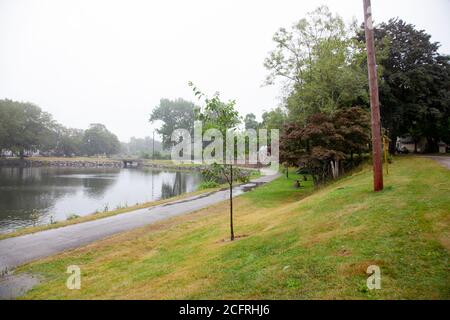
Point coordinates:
[(208, 185), (72, 217)]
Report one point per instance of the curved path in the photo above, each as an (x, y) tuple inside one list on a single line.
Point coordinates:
[(20, 250), (445, 160)]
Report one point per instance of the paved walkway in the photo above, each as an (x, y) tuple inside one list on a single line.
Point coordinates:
[(442, 159), (23, 249)]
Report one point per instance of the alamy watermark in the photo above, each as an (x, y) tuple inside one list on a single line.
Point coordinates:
[(374, 279), (74, 280), (237, 147)]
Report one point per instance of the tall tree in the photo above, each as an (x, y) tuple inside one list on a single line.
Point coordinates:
[(174, 114), (274, 119), (251, 122), (98, 140), (319, 60), (24, 126), (414, 91)]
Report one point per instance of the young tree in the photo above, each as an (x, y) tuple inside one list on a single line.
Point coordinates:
[(222, 116)]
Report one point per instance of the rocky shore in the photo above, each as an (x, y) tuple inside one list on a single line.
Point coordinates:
[(97, 163), (94, 163), (174, 167)]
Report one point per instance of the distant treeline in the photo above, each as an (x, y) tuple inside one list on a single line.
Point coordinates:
[(144, 148), (26, 129)]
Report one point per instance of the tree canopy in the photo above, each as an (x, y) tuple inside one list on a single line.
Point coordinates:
[(319, 62), (98, 140), (414, 88), (174, 114), (24, 127)]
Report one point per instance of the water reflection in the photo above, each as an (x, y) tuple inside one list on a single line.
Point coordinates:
[(31, 196)]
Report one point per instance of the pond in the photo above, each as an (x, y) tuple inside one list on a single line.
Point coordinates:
[(36, 196)]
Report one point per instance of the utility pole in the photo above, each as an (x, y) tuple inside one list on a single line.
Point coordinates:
[(153, 146), (374, 99)]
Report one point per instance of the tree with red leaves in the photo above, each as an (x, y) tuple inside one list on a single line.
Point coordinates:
[(320, 146)]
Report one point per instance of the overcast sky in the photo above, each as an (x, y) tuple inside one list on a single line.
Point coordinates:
[(111, 61)]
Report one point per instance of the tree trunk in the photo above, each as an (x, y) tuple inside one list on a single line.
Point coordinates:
[(432, 145), (392, 144), (22, 154), (333, 169), (231, 203), (287, 171)]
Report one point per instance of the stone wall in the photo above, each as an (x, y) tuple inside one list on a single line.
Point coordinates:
[(60, 163)]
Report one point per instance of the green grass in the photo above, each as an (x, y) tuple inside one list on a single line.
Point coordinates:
[(293, 246)]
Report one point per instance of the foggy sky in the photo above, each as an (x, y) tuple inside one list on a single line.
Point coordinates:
[(111, 61)]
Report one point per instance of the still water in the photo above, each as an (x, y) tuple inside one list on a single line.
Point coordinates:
[(34, 196)]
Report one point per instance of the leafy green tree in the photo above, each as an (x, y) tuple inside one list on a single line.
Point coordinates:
[(98, 140), (23, 126), (251, 122), (414, 91), (274, 119), (175, 114), (70, 142), (319, 61)]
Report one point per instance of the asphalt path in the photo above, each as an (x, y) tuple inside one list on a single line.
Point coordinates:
[(442, 159), (23, 249)]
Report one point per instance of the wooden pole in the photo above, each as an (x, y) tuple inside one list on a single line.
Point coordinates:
[(374, 99), (231, 203)]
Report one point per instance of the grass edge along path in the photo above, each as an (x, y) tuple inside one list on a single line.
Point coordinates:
[(292, 247)]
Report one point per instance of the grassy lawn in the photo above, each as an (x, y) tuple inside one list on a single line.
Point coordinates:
[(295, 246)]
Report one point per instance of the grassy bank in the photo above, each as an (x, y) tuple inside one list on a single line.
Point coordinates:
[(293, 247)]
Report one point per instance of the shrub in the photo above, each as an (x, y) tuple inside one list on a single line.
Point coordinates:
[(72, 217), (208, 185)]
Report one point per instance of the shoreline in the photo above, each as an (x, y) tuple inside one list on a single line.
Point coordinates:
[(60, 163), (85, 162)]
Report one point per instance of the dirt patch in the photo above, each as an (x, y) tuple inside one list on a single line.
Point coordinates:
[(236, 238), (343, 253), (358, 268)]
